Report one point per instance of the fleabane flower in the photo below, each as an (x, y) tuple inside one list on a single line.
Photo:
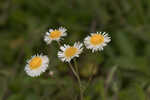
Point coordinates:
[(55, 34), (69, 52), (97, 41), (36, 65)]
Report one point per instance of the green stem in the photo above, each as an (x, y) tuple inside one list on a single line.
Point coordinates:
[(79, 81), (76, 67), (59, 43)]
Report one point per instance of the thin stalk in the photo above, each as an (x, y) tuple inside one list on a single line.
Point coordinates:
[(79, 81), (59, 43), (76, 67)]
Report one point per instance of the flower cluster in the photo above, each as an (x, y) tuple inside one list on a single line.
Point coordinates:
[(39, 63)]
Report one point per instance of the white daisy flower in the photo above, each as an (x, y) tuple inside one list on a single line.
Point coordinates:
[(69, 52), (36, 65), (97, 41), (55, 34)]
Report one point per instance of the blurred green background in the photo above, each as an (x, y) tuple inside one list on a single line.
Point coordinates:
[(121, 71)]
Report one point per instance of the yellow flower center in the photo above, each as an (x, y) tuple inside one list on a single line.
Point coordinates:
[(70, 52), (35, 62), (96, 39), (55, 34)]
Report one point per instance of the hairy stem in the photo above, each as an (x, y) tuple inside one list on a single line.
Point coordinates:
[(59, 43), (76, 67), (79, 81)]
